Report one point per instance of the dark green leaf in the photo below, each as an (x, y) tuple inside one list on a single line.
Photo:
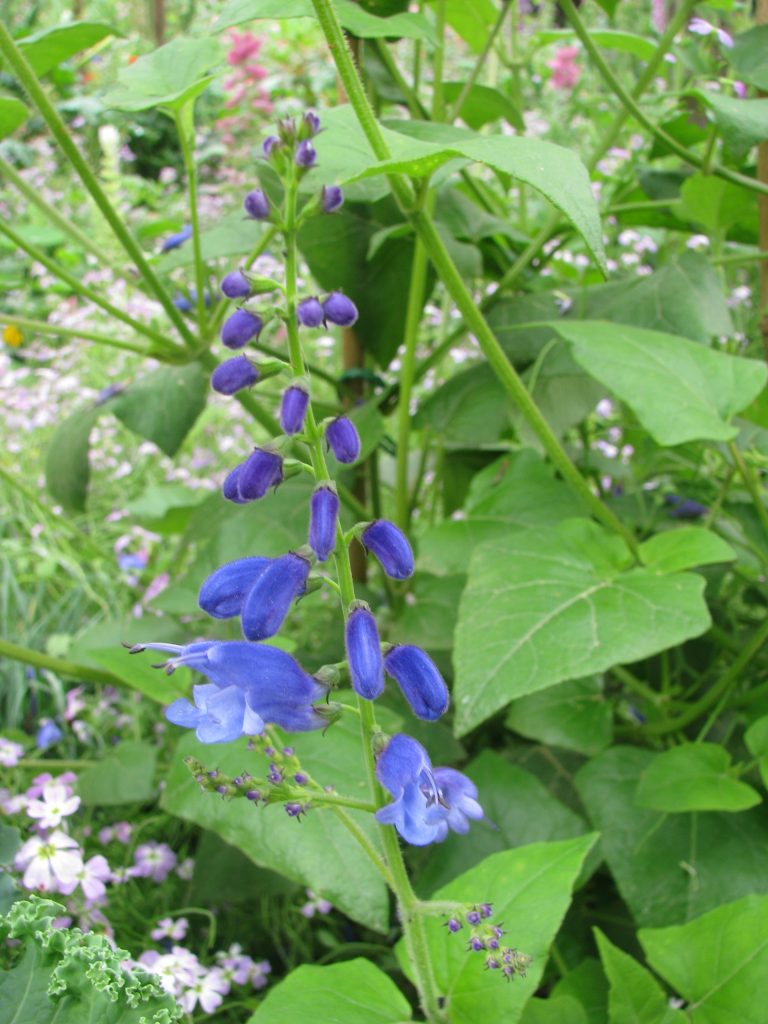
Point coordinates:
[(429, 617), (586, 983), (139, 674), (748, 57), (225, 875), (164, 405), (471, 409), (170, 76), (483, 105), (742, 123), (635, 997), (693, 777), (10, 841), (12, 114), (560, 604), (718, 206), (554, 1010), (756, 739), (573, 715), (123, 777), (67, 469), (47, 49)]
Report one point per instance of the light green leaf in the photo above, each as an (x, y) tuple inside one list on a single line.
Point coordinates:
[(693, 777), (345, 993), (564, 393), (327, 858), (574, 715), (429, 616), (125, 776), (139, 674), (635, 996), (47, 49), (718, 962), (756, 740), (684, 548), (522, 810), (748, 57), (554, 1010), (557, 604), (171, 76), (12, 114), (608, 38), (470, 410), (586, 983), (530, 889), (67, 468), (471, 21), (718, 206), (10, 841), (742, 123), (680, 391), (238, 11), (482, 105), (354, 19), (165, 508), (669, 868), (164, 405)]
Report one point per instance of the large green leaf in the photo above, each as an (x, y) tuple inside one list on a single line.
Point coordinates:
[(12, 114), (483, 105), (684, 548), (756, 740), (742, 123), (520, 811), (718, 206), (140, 675), (587, 983), (609, 39), (543, 606), (170, 76), (67, 469), (718, 962), (635, 995), (574, 715), (669, 868), (471, 409), (47, 49), (680, 391), (554, 1010), (164, 405), (124, 776), (318, 851), (429, 617), (693, 777), (347, 993), (530, 889), (471, 21), (749, 58)]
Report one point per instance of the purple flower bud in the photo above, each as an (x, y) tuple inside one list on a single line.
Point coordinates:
[(233, 375), (476, 944), (390, 546), (343, 439), (256, 204), (293, 409), (273, 593), (230, 489), (340, 310), (323, 514), (473, 917), (260, 471), (454, 924), (174, 241), (331, 198), (269, 144), (223, 593), (364, 653), (310, 124), (419, 679), (235, 285), (309, 312), (239, 328), (301, 778), (294, 810), (486, 910), (305, 154), (274, 775)]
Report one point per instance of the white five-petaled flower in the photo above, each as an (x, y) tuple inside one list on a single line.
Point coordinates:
[(167, 928), (50, 864), (55, 802), (208, 990), (93, 875), (10, 752)]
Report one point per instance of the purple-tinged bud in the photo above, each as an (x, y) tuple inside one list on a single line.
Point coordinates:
[(323, 515), (256, 204), (222, 594), (492, 963), (366, 667), (306, 154), (274, 775), (473, 917), (340, 310), (331, 198), (301, 778), (253, 794), (310, 125), (286, 129), (419, 679), (271, 596), (475, 944), (260, 471), (453, 924), (239, 328), (293, 409), (294, 810), (235, 285), (390, 546), (230, 488), (309, 312), (343, 439), (233, 375), (486, 910)]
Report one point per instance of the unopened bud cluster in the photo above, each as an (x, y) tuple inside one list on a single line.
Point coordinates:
[(485, 938)]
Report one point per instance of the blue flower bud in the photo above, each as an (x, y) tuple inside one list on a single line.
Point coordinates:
[(256, 204), (343, 439), (174, 241), (186, 303), (222, 594), (366, 667), (390, 546), (293, 409), (269, 599), (419, 679), (331, 199), (340, 310), (260, 471), (305, 154), (323, 514), (310, 125), (235, 285), (269, 144), (233, 375), (310, 312), (239, 328), (48, 735)]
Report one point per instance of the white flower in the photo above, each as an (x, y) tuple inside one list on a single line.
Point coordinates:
[(50, 865), (175, 970), (167, 928), (94, 873), (56, 803), (208, 990), (10, 752)]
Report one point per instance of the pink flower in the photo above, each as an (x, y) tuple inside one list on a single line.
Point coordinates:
[(565, 71), (244, 45), (56, 802), (92, 876), (51, 864), (153, 860), (316, 905), (10, 752), (167, 928), (700, 27), (75, 703), (208, 990)]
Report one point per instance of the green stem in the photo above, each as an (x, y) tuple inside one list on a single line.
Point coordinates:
[(642, 118), (438, 101), (455, 110), (220, 311), (751, 484), (44, 327), (58, 129), (365, 843), (321, 798), (185, 128), (37, 763), (64, 668)]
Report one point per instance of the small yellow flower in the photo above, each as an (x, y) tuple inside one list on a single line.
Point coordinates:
[(12, 336)]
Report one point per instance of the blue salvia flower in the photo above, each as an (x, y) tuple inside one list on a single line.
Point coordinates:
[(390, 546), (323, 515), (343, 439), (174, 241), (340, 310), (230, 488), (222, 594), (235, 285), (419, 679), (260, 471), (47, 735), (256, 204), (331, 198), (240, 328), (309, 312), (309, 125), (366, 667), (271, 596), (306, 155), (218, 715), (293, 409), (233, 375), (427, 802)]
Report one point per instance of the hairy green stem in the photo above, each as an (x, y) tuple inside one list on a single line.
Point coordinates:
[(751, 483), (64, 668), (185, 128), (455, 110), (44, 327), (438, 100)]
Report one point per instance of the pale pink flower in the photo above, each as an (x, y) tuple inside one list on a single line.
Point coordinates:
[(565, 71), (208, 990), (316, 905), (75, 703), (167, 928), (56, 802), (700, 27), (153, 860), (10, 752), (50, 864), (92, 876)]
